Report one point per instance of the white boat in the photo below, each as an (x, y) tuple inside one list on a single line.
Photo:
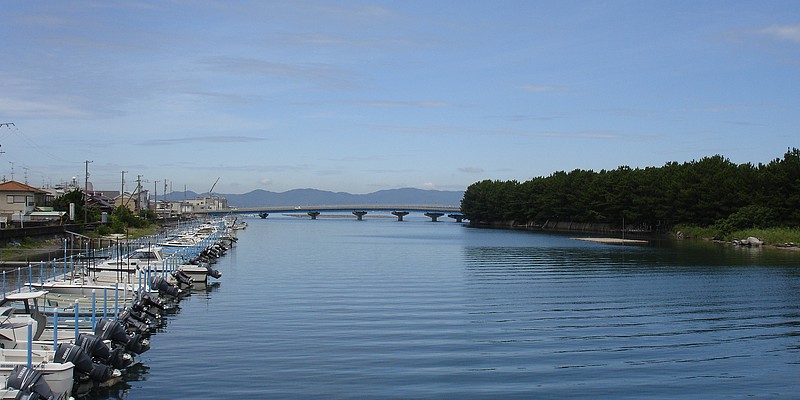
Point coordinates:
[(180, 241), (60, 377), (141, 259), (14, 326), (44, 379), (150, 258)]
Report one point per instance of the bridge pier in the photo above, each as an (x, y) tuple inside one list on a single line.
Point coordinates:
[(313, 214), (359, 214), (263, 215), (457, 216), (400, 214), (434, 216)]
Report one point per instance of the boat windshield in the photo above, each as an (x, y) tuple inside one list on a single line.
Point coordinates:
[(144, 255)]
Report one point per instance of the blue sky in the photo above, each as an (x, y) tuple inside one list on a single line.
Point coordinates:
[(359, 96)]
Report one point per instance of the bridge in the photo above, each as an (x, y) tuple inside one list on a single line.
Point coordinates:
[(359, 210)]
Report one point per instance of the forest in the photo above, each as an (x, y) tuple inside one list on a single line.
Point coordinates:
[(710, 192)]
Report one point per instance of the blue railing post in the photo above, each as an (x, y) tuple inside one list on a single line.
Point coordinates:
[(30, 343), (116, 299), (55, 329), (94, 307), (77, 308), (105, 301)]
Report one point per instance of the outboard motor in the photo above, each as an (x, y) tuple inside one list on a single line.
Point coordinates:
[(144, 311), (150, 301), (115, 332), (213, 272), (138, 343), (94, 346), (163, 287), (182, 278), (137, 321), (84, 364), (130, 324), (30, 384)]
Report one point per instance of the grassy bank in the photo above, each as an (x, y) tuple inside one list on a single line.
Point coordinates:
[(771, 236), (32, 248)]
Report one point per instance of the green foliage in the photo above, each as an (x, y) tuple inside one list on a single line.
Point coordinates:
[(749, 217), (104, 230), (92, 214), (710, 191), (695, 232), (122, 218), (778, 235)]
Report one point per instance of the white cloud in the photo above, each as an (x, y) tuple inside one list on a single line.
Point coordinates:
[(407, 104), (783, 32), (543, 88), (471, 170), (429, 185), (265, 181), (41, 109)]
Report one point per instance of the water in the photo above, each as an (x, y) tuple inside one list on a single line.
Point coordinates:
[(336, 308)]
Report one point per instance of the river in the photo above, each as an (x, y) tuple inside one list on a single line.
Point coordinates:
[(339, 309)]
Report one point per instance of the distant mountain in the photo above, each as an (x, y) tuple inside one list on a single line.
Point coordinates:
[(314, 197)]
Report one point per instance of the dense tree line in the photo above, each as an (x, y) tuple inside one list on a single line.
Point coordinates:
[(710, 191)]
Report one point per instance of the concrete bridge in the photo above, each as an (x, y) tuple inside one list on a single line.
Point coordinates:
[(359, 210)]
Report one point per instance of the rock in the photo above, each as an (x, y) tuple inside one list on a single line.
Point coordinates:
[(753, 241)]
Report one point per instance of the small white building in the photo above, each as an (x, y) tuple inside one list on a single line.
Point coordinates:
[(208, 204)]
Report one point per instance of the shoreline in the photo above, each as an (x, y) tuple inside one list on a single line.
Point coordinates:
[(612, 240)]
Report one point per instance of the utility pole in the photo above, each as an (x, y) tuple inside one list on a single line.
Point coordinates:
[(12, 169), (138, 192), (122, 189), (155, 195), (86, 194), (26, 174)]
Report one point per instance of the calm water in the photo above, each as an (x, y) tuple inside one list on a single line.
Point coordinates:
[(336, 308)]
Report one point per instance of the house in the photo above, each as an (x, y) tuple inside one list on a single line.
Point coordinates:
[(208, 204), (138, 200), (18, 201)]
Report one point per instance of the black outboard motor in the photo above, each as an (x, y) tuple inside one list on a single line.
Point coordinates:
[(182, 278), (163, 287), (144, 311), (150, 301), (137, 322), (83, 363), (213, 272), (130, 324), (94, 346), (115, 332), (30, 384)]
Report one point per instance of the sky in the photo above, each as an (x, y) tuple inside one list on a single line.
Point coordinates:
[(361, 96)]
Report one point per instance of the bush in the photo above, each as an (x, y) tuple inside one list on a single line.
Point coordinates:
[(750, 217), (103, 230)]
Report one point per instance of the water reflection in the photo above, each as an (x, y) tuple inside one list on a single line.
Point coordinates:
[(699, 311)]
